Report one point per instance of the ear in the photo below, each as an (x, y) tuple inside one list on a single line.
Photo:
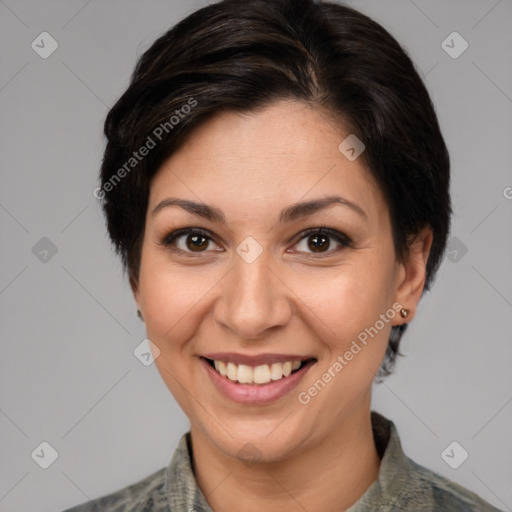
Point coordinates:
[(411, 276)]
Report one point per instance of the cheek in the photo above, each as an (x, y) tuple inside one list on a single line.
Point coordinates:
[(349, 303), (171, 298), (347, 298)]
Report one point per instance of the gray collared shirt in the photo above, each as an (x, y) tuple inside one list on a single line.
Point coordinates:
[(401, 485)]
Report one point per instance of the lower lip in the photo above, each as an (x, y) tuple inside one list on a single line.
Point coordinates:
[(256, 393)]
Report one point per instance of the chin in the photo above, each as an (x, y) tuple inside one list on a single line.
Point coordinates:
[(253, 442)]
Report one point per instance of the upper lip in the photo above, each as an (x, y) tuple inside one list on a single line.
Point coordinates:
[(232, 357)]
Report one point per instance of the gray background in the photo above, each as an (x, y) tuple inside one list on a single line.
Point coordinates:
[(68, 331)]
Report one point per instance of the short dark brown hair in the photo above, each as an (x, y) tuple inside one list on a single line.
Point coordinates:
[(242, 55)]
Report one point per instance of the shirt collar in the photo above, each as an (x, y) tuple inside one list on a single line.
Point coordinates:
[(180, 485), (395, 468)]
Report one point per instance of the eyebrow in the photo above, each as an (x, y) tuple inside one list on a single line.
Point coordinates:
[(289, 214)]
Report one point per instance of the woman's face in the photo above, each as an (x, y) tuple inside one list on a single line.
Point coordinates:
[(257, 285)]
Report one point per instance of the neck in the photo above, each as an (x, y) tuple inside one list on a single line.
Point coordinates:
[(329, 476)]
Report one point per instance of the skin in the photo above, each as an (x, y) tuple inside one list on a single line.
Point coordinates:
[(318, 456)]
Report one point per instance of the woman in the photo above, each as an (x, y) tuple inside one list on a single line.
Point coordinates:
[(277, 185)]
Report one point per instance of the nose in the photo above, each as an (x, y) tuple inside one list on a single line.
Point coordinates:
[(254, 299)]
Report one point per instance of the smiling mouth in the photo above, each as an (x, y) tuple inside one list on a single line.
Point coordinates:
[(257, 375)]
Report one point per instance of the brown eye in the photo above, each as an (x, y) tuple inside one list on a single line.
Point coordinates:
[(320, 241), (317, 243), (188, 240), (196, 243)]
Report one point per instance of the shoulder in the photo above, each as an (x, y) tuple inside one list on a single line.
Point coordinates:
[(405, 485), (443, 494), (143, 496)]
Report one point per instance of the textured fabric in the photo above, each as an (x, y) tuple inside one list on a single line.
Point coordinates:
[(402, 485)]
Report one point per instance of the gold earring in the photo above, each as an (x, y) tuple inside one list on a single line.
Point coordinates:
[(139, 314), (404, 313)]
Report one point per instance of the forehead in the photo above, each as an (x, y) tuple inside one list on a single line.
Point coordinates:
[(281, 154)]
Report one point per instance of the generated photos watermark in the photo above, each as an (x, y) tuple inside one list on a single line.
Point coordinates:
[(305, 397), (157, 135)]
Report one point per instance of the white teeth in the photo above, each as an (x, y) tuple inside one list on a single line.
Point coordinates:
[(262, 374), (245, 374), (232, 371), (223, 368), (276, 371)]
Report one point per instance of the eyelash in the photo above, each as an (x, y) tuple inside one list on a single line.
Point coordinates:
[(339, 237)]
